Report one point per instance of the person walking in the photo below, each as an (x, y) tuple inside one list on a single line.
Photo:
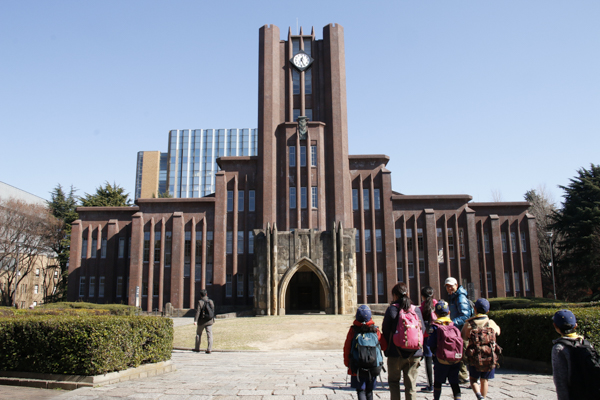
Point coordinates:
[(460, 311), (427, 311), (401, 360), (204, 319)]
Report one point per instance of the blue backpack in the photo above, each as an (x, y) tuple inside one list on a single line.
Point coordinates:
[(366, 360)]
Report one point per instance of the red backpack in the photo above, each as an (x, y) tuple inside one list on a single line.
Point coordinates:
[(449, 344), (409, 334)]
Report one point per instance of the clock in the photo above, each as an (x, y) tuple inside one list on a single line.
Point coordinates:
[(301, 61)]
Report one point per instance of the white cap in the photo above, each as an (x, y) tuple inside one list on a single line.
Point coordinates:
[(451, 281)]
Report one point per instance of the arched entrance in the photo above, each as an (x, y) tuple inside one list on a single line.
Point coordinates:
[(304, 288)]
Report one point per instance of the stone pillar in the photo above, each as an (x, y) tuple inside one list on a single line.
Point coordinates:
[(75, 260), (497, 255), (177, 248), (433, 268), (472, 251), (136, 261), (536, 275)]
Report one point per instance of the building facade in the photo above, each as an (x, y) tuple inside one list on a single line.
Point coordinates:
[(301, 225)]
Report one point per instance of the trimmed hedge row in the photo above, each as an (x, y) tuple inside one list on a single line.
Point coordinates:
[(511, 303), (114, 309), (85, 345), (528, 333)]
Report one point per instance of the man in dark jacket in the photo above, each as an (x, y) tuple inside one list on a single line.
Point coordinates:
[(460, 311), (204, 322)]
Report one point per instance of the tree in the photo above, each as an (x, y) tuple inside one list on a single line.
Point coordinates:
[(107, 196), (62, 206), (543, 207), (27, 232), (164, 195), (578, 223)]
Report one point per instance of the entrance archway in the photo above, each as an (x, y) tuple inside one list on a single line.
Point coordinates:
[(303, 289)]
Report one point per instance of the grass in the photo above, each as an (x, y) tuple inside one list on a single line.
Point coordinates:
[(289, 332)]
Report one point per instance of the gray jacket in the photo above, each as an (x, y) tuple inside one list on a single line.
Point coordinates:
[(199, 309)]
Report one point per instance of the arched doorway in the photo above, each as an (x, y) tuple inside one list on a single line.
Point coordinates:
[(304, 293)]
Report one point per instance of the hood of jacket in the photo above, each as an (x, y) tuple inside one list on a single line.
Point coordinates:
[(459, 291)]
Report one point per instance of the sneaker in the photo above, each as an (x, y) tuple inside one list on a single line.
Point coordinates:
[(207, 351), (427, 389)]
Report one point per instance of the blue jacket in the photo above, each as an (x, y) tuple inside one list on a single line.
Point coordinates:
[(460, 308)]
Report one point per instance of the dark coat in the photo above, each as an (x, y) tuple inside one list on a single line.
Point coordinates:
[(199, 308), (390, 322)]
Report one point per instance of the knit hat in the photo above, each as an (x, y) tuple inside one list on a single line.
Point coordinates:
[(451, 281), (363, 314), (482, 306), (441, 308), (565, 321)]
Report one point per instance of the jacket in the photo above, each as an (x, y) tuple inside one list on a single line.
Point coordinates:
[(390, 322), (199, 309), (350, 336), (460, 308)]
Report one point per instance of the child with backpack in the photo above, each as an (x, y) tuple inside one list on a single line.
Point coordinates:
[(427, 311), (362, 353), (482, 351), (446, 345), (575, 362)]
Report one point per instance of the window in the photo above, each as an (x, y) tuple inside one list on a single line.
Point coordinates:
[(523, 243), (478, 243), (369, 283), (251, 285), (292, 197), (409, 246), (313, 156), (461, 242), (198, 261), (240, 285), (119, 286), (486, 242), (37, 272), (84, 248), (303, 156), (35, 289), (504, 244), (209, 257), (155, 289), (103, 248), (526, 276), (411, 269), (357, 241), (250, 242), (359, 284), (251, 201), (81, 286), (292, 156), (228, 285), (451, 243), (92, 291), (355, 199), (168, 241), (513, 241), (229, 200), (378, 241), (129, 248), (517, 283), (367, 240), (440, 245), (240, 242), (507, 281), (146, 246), (101, 287), (94, 248), (241, 201), (366, 199), (314, 199), (421, 248), (187, 254), (380, 287), (145, 289), (229, 246), (303, 199), (489, 282), (121, 247), (157, 247), (376, 202)]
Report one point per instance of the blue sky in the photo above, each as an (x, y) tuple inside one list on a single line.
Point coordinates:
[(466, 97)]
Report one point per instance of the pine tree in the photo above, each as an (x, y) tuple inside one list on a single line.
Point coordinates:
[(107, 196), (578, 223)]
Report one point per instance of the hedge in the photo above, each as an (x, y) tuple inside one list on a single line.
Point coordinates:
[(511, 303), (528, 333), (114, 309), (88, 345)]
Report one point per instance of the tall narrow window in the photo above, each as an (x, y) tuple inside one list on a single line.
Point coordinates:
[(81, 286), (367, 240), (168, 242), (103, 248), (303, 156), (380, 288), (292, 156), (357, 241), (146, 246), (229, 244), (84, 248), (251, 201), (421, 248), (121, 247), (240, 285), (513, 241), (92, 290), (366, 199), (507, 281), (461, 242), (240, 242), (101, 287), (229, 200), (94, 248), (209, 257), (486, 242), (490, 282), (157, 247), (526, 276), (241, 201), (523, 243), (313, 156), (228, 284), (119, 286), (314, 199), (355, 199), (303, 200), (517, 283), (198, 261), (187, 254), (399, 259), (250, 243), (504, 244), (369, 283), (378, 241), (440, 245), (451, 243), (376, 200), (293, 197)]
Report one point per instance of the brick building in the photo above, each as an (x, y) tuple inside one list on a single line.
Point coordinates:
[(302, 225)]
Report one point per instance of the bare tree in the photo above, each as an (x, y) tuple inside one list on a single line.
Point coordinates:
[(496, 196), (26, 234)]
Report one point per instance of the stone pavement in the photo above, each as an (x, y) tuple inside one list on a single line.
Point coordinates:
[(273, 375)]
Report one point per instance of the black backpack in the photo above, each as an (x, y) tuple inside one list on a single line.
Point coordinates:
[(585, 369), (207, 312), (366, 360)]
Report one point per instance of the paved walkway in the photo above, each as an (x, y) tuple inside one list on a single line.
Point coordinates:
[(309, 375)]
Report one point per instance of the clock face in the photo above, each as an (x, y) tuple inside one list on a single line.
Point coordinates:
[(301, 61)]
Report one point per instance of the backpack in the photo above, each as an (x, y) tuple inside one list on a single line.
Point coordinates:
[(449, 344), (409, 334), (482, 351), (366, 360), (585, 369), (207, 312)]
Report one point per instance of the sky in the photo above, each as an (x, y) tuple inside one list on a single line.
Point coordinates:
[(485, 98)]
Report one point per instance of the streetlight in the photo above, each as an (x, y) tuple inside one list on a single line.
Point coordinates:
[(549, 234)]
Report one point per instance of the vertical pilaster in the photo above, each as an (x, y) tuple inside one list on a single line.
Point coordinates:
[(75, 260), (136, 261), (433, 267), (161, 272), (471, 245), (177, 261), (497, 255)]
